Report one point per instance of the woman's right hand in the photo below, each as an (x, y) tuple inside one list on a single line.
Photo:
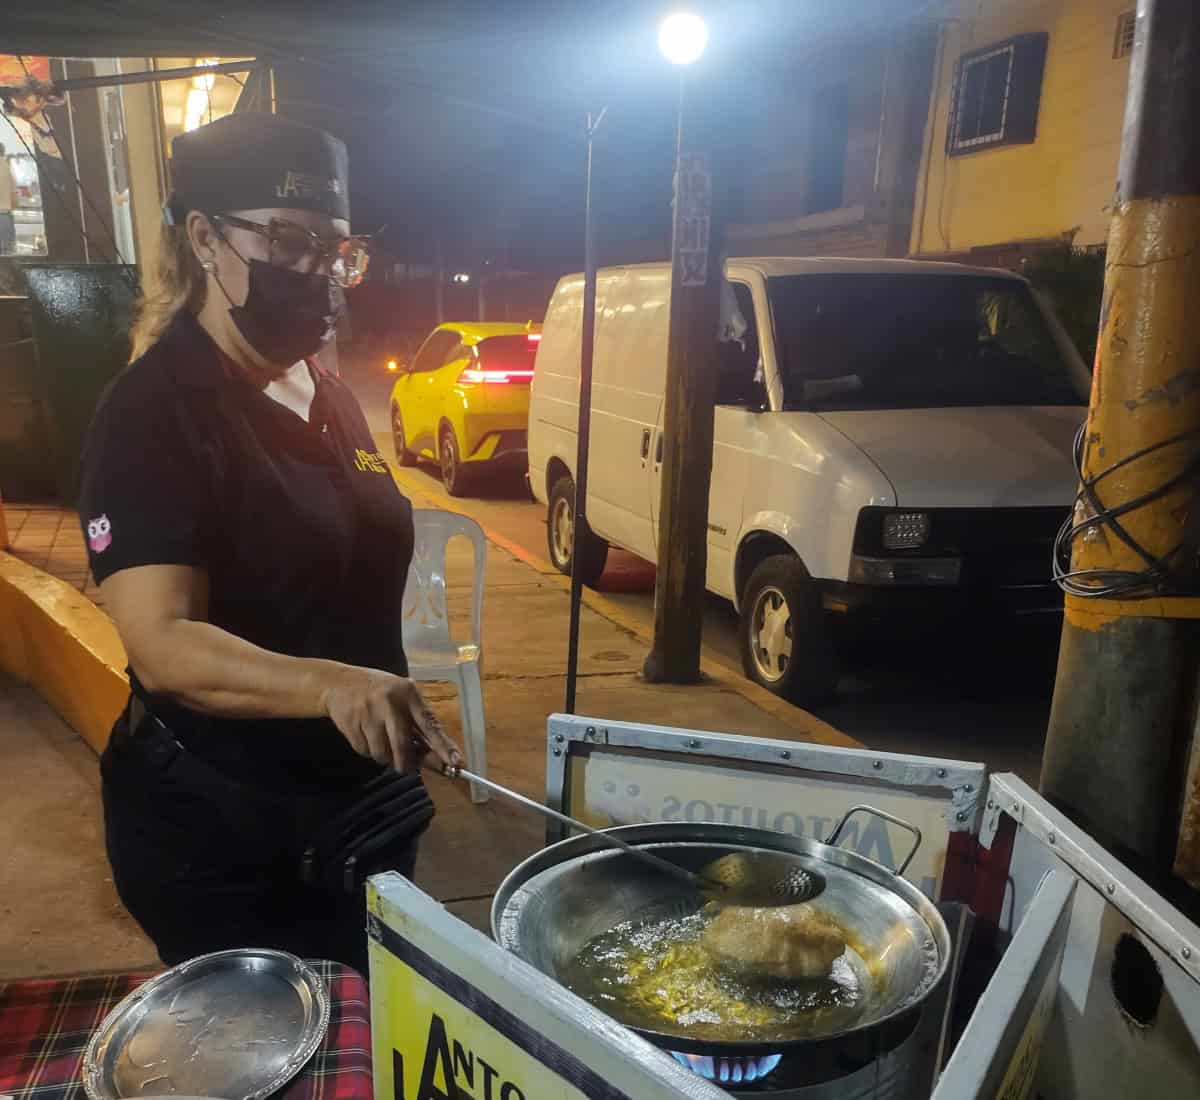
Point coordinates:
[(384, 717)]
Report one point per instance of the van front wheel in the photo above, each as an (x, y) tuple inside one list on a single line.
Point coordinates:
[(560, 535), (785, 642)]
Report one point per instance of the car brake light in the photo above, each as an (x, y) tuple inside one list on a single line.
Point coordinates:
[(535, 337), (392, 364), (474, 375)]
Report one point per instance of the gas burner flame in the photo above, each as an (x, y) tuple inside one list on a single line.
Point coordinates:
[(728, 1071)]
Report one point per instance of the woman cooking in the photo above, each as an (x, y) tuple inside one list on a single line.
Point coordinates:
[(252, 548)]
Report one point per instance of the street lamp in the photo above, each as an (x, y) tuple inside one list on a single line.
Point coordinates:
[(682, 36)]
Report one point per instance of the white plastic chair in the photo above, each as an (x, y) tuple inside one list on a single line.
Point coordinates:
[(425, 628)]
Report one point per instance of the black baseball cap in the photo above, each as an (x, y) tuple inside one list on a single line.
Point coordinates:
[(253, 161)]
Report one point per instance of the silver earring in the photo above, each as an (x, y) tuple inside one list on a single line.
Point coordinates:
[(208, 266)]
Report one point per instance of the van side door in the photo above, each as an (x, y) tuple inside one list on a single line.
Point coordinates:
[(740, 438), (627, 393), (738, 435)]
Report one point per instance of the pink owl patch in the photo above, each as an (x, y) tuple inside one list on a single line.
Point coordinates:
[(99, 534)]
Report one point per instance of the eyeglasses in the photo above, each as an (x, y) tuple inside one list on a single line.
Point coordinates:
[(296, 246)]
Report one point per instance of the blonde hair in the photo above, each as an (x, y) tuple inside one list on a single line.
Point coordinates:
[(175, 283)]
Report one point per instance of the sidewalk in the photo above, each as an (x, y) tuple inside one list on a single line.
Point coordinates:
[(56, 820)]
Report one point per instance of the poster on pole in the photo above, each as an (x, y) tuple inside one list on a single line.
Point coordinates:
[(693, 219)]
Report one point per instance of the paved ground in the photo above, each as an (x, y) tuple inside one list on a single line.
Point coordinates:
[(982, 697), (59, 913)]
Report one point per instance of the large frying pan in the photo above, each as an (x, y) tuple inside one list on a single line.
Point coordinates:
[(553, 903)]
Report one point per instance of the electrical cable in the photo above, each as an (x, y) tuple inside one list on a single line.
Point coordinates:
[(1158, 576), (129, 270)]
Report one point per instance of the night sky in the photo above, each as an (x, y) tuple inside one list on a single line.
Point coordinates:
[(469, 114), (496, 155)]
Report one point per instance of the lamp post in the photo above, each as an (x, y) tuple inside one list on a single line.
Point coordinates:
[(686, 441), (587, 345)]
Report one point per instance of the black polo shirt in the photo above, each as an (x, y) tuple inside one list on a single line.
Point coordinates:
[(302, 532)]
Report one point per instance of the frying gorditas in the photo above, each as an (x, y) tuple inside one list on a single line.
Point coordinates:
[(782, 941)]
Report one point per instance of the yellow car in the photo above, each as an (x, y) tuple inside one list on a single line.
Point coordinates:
[(463, 400)]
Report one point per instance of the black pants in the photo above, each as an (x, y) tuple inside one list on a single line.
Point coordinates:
[(204, 863)]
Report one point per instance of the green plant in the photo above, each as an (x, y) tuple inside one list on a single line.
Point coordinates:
[(1073, 279)]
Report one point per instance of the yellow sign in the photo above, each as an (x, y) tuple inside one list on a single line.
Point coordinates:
[(372, 461), (450, 1041), (1022, 1067)]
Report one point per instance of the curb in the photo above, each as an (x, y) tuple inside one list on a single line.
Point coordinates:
[(807, 724), (58, 641)]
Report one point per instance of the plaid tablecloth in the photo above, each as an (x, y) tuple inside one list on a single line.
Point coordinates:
[(45, 1026)]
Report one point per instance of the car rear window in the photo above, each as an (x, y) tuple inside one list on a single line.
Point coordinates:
[(507, 353)]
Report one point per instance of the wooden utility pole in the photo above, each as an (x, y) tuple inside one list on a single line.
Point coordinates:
[(687, 439), (1127, 675)]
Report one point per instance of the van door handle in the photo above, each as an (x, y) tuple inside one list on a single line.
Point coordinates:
[(658, 450), (645, 444)]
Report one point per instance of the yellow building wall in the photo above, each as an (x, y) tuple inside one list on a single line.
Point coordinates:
[(1064, 179)]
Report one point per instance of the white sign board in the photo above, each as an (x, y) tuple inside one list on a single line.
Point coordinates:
[(613, 788)]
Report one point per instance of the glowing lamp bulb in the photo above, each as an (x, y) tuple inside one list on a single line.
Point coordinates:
[(682, 36), (392, 364)]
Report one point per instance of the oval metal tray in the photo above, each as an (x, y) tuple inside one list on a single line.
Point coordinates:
[(234, 1024)]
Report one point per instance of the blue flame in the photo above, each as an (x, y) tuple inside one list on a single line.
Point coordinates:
[(729, 1071)]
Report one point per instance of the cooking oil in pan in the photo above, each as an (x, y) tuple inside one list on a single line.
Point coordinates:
[(654, 973)]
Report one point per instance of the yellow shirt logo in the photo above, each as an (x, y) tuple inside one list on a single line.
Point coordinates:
[(365, 461)]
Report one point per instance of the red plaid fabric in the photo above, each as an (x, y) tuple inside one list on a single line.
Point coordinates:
[(45, 1026)]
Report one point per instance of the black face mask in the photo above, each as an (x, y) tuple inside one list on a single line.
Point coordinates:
[(288, 315)]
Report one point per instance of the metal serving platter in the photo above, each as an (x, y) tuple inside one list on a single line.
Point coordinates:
[(237, 1025)]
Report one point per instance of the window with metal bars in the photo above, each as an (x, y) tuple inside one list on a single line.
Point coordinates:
[(996, 93), (1123, 38)]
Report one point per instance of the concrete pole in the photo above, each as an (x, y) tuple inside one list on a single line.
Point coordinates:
[(1122, 708), (687, 435)]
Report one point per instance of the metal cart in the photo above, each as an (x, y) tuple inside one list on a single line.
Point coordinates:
[(1070, 977)]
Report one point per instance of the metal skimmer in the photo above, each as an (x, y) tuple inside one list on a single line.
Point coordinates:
[(739, 878)]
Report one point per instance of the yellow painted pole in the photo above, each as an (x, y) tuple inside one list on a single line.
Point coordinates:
[(1123, 699)]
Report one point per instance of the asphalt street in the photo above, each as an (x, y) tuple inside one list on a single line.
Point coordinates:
[(973, 694)]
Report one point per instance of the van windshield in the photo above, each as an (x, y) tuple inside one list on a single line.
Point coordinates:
[(903, 341)]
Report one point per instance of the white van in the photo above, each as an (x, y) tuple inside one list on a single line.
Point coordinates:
[(893, 441)]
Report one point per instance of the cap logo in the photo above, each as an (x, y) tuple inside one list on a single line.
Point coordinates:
[(302, 185)]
